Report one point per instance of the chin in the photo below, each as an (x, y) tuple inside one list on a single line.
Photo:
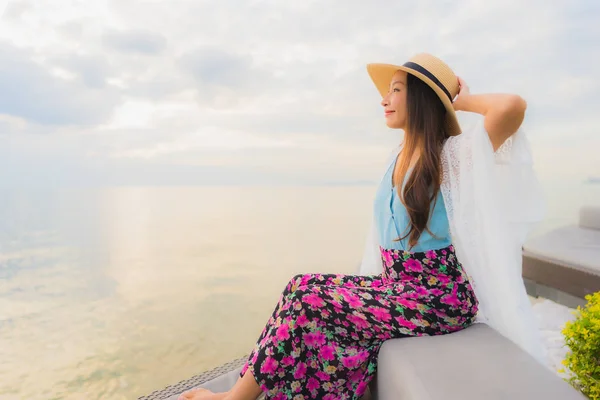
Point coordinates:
[(394, 125)]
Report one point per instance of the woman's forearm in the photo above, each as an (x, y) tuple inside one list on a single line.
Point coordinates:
[(504, 113), (493, 102)]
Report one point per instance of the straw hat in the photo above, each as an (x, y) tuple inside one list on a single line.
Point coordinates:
[(431, 70)]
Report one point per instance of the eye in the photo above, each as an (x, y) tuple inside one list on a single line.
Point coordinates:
[(396, 90)]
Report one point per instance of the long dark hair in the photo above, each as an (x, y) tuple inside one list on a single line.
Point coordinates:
[(425, 131)]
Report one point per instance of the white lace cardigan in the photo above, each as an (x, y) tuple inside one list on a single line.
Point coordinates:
[(492, 199)]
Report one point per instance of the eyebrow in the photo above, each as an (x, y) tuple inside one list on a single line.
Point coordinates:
[(393, 83)]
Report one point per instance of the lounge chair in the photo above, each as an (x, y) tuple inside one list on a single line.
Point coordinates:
[(476, 363), (564, 265), (473, 364)]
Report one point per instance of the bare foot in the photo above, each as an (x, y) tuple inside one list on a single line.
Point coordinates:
[(201, 394), (194, 394)]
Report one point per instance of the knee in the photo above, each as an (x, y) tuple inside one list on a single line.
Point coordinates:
[(293, 284), (306, 299), (297, 279)]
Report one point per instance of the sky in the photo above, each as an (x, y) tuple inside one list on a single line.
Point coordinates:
[(178, 92)]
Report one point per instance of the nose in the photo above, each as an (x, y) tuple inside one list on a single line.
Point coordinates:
[(384, 101)]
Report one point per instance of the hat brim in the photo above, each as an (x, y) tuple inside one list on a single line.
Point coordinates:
[(381, 75)]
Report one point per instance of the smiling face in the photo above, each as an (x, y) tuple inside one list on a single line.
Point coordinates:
[(394, 103)]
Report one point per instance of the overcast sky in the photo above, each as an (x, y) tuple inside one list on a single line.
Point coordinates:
[(198, 92)]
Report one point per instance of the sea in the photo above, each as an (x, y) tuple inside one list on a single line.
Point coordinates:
[(114, 292)]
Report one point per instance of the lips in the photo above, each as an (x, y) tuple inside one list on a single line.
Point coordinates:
[(388, 113)]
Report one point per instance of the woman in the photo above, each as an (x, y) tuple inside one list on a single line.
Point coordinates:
[(323, 338)]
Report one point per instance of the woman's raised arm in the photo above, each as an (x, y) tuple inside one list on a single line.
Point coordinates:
[(503, 113)]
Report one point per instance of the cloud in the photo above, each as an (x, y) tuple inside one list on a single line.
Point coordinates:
[(222, 76), (92, 70), (135, 42), (252, 83), (31, 92), (16, 9)]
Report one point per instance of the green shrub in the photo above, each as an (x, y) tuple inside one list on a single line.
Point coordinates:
[(582, 337)]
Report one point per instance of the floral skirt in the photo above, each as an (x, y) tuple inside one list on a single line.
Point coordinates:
[(324, 336)]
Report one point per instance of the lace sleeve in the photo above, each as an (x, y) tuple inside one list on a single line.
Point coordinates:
[(491, 200)]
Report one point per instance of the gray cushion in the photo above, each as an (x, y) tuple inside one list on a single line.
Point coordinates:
[(572, 246), (589, 217), (476, 363)]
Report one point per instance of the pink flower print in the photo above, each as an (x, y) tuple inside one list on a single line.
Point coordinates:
[(300, 371), (336, 303), (405, 323), (413, 265), (366, 295), (362, 356), (313, 384), (450, 328), (355, 302), (412, 294), (287, 361), (388, 259), (323, 376), (355, 376), (358, 322), (431, 254), (350, 362), (380, 314), (421, 291), (283, 332), (304, 280), (302, 320), (320, 338), (314, 339), (404, 277), (341, 331), (269, 366), (346, 295), (361, 388), (310, 340), (436, 292), (314, 300), (408, 303), (327, 353), (443, 279), (451, 299)]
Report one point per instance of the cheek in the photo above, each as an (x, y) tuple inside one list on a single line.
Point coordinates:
[(399, 104), (400, 118), (400, 113)]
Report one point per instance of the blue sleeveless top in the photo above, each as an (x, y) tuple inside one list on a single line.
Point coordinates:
[(392, 219)]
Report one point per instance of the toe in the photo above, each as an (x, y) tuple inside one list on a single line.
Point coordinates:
[(191, 393)]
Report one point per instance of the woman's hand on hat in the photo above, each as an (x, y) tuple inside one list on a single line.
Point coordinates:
[(463, 93)]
